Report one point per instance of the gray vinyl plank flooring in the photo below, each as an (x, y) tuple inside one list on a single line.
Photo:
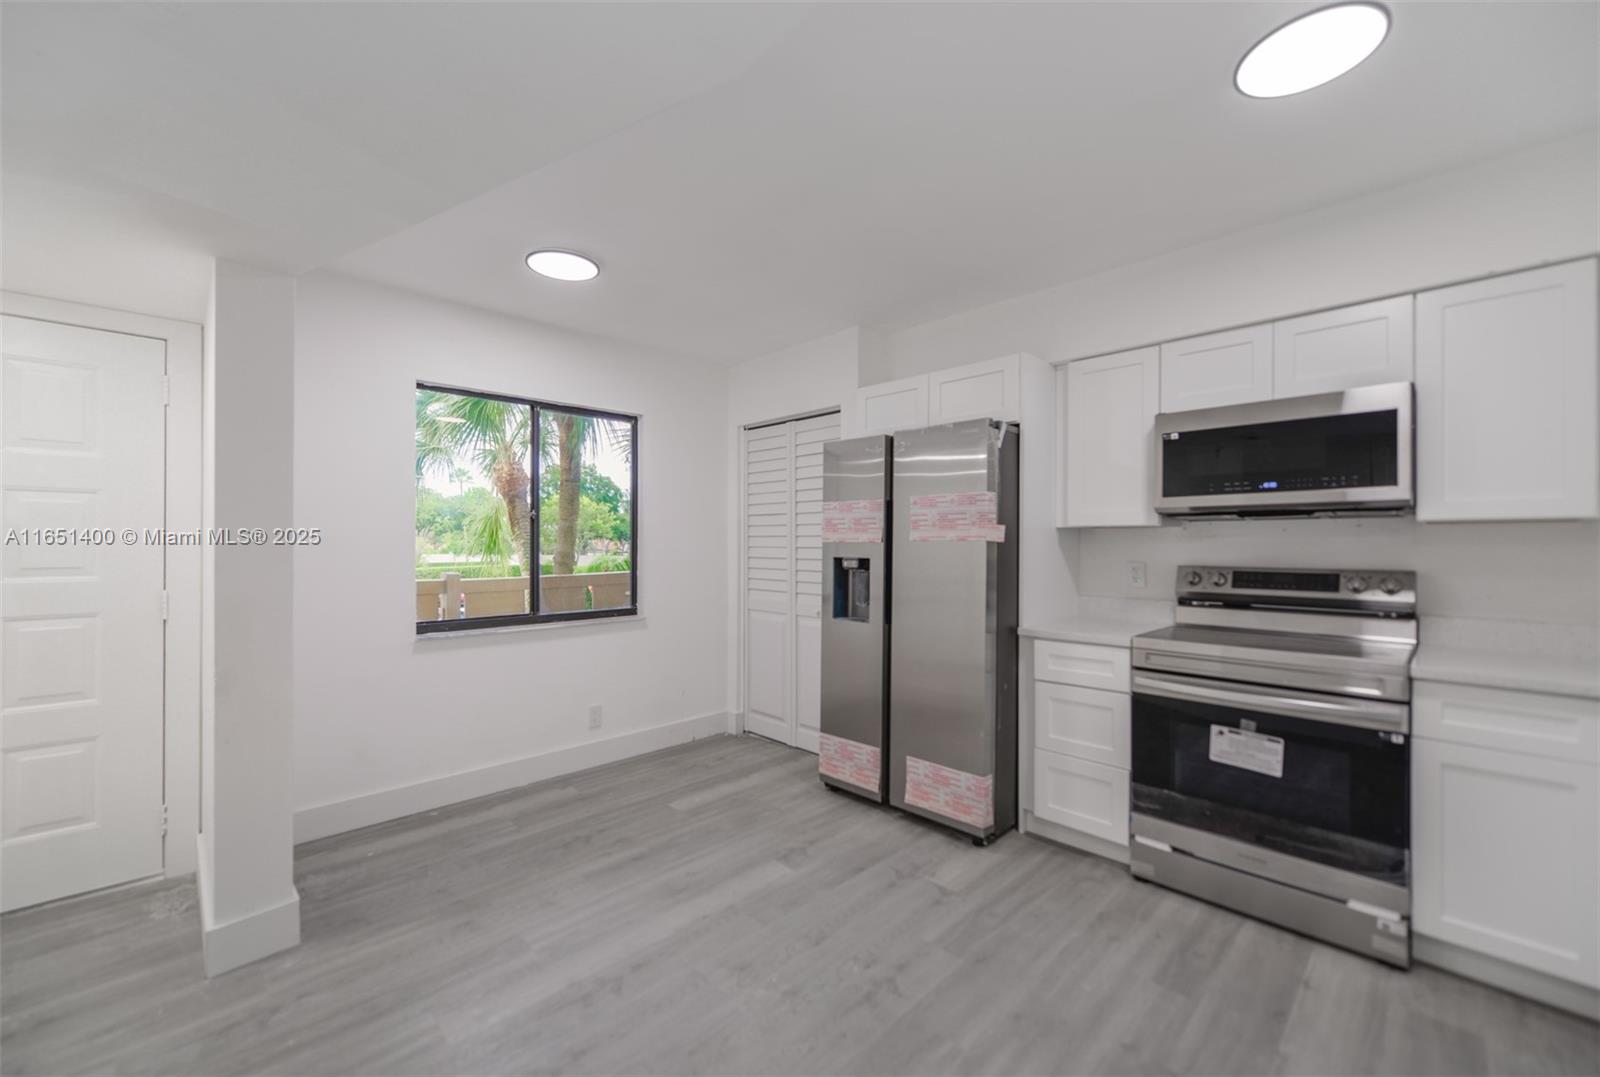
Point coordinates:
[(712, 909)]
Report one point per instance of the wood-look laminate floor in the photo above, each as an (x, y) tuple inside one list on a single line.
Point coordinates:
[(711, 908)]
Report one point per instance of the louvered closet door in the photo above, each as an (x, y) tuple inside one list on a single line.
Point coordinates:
[(783, 578)]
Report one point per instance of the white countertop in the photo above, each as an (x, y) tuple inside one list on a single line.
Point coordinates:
[(1555, 674), (1107, 631)]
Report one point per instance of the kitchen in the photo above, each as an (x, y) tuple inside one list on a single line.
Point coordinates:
[(801, 538)]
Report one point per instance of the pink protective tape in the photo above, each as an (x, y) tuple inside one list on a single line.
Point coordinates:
[(850, 761), (954, 794)]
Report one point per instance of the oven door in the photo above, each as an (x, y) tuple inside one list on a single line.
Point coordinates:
[(1308, 789)]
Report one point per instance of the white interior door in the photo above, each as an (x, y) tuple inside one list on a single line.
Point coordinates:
[(783, 578), (81, 676)]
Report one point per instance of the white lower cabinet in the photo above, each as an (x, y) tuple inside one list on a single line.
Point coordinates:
[(1086, 796), (1506, 850)]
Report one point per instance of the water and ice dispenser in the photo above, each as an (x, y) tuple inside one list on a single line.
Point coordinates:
[(852, 588)]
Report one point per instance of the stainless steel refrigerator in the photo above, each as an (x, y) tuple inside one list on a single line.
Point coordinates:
[(855, 616), (953, 665), (919, 619)]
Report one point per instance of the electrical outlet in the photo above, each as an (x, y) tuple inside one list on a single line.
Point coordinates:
[(1136, 574), (594, 716)]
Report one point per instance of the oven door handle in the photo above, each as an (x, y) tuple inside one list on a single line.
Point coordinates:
[(1362, 713)]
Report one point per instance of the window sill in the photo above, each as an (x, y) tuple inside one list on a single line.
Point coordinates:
[(550, 626)]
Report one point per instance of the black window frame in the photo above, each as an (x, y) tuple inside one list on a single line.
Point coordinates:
[(534, 616)]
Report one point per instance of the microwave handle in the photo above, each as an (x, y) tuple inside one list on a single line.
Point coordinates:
[(1362, 713)]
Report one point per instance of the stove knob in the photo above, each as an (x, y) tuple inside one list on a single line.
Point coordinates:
[(1357, 584), (1195, 579), (1389, 585), (1220, 579)]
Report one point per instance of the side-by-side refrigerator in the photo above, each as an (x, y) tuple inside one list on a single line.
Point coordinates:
[(944, 738)]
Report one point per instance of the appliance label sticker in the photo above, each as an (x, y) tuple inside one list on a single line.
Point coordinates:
[(971, 516), (954, 794), (850, 761), (852, 521), (1250, 751)]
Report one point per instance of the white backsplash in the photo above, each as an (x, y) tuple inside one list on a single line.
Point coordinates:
[(1538, 573)]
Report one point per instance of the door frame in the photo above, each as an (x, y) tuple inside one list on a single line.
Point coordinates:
[(183, 487)]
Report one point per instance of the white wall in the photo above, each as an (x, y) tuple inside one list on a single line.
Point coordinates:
[(388, 723), (249, 906), (809, 377), (1536, 206)]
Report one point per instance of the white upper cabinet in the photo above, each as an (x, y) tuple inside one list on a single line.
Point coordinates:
[(1507, 423), (1231, 367), (1106, 408), (1367, 344), (890, 406), (987, 390)]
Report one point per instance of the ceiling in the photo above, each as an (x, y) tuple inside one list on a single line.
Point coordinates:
[(748, 175)]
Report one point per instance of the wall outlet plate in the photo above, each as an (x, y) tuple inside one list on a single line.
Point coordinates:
[(1136, 574), (594, 716)]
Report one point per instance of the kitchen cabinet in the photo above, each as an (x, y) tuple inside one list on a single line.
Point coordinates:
[(986, 390), (890, 406), (1078, 736), (1367, 344), (1106, 408), (1231, 367), (1506, 854), (1507, 424)]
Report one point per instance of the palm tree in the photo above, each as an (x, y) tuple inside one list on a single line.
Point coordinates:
[(493, 433), (564, 439)]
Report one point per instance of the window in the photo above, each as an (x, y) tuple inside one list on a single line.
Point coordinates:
[(505, 483)]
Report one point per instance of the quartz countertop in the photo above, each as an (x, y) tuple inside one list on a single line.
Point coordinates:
[(1104, 630), (1555, 674)]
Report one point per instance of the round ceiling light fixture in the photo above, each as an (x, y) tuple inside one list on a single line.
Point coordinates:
[(1315, 48), (562, 265)]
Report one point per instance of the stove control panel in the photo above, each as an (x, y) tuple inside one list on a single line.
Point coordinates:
[(1386, 589)]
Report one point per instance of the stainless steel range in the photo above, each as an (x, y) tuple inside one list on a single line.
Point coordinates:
[(1271, 750)]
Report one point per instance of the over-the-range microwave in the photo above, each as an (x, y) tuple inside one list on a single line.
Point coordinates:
[(1344, 452)]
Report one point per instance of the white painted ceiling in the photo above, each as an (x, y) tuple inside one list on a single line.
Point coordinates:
[(749, 176)]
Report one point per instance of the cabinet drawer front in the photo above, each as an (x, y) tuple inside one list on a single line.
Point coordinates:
[(1506, 854), (1557, 727), (1083, 664), (1076, 793), (1088, 723)]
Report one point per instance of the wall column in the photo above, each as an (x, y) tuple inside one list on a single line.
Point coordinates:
[(248, 902)]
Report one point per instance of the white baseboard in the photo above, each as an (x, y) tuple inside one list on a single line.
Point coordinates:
[(1063, 835), (1562, 994), (339, 816), (245, 938)]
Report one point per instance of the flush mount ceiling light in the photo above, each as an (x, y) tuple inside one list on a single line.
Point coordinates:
[(1311, 50), (563, 265)]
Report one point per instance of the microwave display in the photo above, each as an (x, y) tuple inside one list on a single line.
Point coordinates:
[(1324, 453)]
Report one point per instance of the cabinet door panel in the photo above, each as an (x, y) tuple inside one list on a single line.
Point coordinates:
[(1231, 367), (1506, 397), (1507, 849), (1107, 410), (987, 390), (1085, 796), (893, 405), (1367, 344)]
